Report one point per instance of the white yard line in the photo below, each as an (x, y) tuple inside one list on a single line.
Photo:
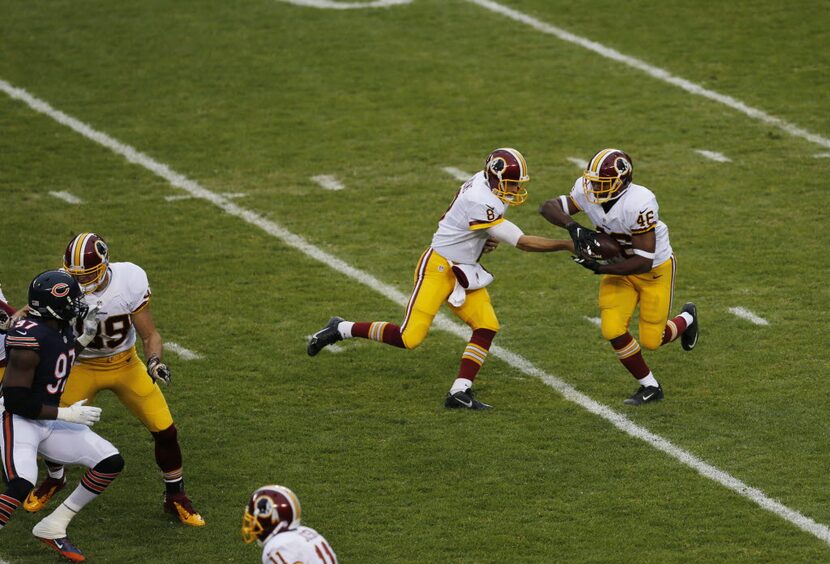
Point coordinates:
[(67, 197), (714, 156), (330, 5), (179, 197), (570, 393), (581, 163), (655, 72), (595, 320), (822, 155), (181, 352), (457, 173), (328, 182), (744, 313)]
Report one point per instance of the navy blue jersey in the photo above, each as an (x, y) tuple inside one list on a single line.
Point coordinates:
[(56, 349)]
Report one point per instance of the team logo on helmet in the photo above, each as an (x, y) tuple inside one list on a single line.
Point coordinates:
[(59, 290)]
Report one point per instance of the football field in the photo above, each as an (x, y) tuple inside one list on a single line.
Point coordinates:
[(271, 163)]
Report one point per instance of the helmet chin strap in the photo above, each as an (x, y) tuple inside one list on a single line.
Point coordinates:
[(97, 284)]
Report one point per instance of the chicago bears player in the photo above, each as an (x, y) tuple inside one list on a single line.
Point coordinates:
[(449, 271), (629, 213), (41, 349), (110, 362), (272, 519)]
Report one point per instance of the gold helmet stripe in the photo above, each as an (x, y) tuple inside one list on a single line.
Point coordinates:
[(295, 502), (78, 249), (596, 162), (520, 158)]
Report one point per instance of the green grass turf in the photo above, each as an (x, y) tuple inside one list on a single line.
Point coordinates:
[(257, 97)]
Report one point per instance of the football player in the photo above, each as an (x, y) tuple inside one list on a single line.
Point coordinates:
[(6, 313), (41, 349), (272, 519), (449, 271), (110, 362), (629, 213)]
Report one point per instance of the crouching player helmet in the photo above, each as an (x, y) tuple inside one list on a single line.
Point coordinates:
[(270, 509), (54, 294)]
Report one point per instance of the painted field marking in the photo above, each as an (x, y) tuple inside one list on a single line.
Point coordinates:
[(744, 313), (328, 182), (181, 352), (822, 155), (713, 155), (330, 5), (442, 322), (655, 72), (180, 197), (457, 173), (66, 197), (581, 163), (595, 320)]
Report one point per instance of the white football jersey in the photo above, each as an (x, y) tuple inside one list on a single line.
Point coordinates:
[(462, 230), (636, 211), (127, 292), (302, 545)]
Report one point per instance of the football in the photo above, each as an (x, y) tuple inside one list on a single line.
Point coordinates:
[(609, 249)]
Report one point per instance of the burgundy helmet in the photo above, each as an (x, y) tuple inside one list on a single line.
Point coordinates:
[(270, 510), (608, 174), (86, 259), (506, 172)]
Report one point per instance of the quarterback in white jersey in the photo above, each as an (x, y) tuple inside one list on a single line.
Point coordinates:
[(272, 519), (643, 274), (111, 362), (449, 271)]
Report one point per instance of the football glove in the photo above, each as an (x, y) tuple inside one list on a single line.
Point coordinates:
[(585, 240), (5, 321), (79, 413), (158, 371), (90, 326), (588, 263)]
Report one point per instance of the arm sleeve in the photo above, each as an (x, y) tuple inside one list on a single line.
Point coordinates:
[(506, 232)]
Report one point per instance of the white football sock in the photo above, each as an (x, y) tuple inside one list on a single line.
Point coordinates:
[(54, 525), (649, 380), (460, 385), (345, 329), (688, 317)]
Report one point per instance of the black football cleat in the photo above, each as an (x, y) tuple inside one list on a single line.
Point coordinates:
[(688, 339), (328, 335), (464, 400), (645, 394)]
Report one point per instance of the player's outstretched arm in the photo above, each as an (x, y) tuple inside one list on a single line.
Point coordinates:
[(536, 244)]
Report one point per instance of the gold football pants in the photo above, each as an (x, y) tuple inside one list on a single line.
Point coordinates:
[(127, 377), (619, 295), (434, 282)]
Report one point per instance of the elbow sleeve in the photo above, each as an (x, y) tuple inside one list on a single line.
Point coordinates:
[(506, 232), (21, 401)]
